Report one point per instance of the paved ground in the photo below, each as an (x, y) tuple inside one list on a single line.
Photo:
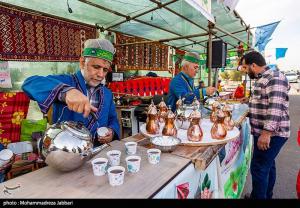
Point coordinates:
[(288, 160)]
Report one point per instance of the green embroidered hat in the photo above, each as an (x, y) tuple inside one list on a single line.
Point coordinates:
[(99, 48), (192, 57)]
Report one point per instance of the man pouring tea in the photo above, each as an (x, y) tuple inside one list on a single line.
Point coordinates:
[(77, 96)]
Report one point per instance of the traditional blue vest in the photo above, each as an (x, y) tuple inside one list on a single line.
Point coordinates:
[(45, 91)]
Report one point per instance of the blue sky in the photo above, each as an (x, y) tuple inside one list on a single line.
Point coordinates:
[(287, 33)]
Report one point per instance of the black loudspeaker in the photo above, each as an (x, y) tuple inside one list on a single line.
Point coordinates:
[(219, 53)]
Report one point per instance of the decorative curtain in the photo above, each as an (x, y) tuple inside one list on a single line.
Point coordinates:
[(13, 109), (28, 37), (179, 53), (150, 56)]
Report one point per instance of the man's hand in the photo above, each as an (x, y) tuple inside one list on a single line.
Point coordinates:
[(210, 90), (107, 138), (78, 102), (245, 100), (264, 139)]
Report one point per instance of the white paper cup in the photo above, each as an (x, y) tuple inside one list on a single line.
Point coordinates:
[(153, 156), (130, 148), (102, 131), (116, 175), (113, 157), (99, 166), (133, 163)]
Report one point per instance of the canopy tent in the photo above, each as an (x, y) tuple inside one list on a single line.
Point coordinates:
[(174, 22)]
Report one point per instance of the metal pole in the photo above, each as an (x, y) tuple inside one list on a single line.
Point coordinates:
[(185, 18), (132, 18), (248, 37), (231, 35), (209, 50), (213, 38), (160, 5)]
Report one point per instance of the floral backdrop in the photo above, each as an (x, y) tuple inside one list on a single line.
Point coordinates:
[(13, 109)]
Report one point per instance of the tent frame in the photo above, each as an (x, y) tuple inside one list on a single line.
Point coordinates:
[(210, 30)]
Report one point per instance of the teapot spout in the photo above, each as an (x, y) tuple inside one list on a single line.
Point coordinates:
[(96, 150)]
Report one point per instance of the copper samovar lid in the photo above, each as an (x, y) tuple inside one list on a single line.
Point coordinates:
[(195, 114), (215, 104), (196, 102), (162, 104), (152, 109), (170, 113)]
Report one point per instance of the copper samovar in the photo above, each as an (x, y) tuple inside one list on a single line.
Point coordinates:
[(170, 128), (218, 130), (179, 103), (215, 106), (228, 122), (152, 123), (163, 110), (194, 132)]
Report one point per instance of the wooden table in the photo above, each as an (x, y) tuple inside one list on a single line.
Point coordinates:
[(81, 183)]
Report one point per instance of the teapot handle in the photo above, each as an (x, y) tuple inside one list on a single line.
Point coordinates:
[(62, 112)]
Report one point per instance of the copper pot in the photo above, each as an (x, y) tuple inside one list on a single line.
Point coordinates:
[(213, 116), (218, 130), (194, 132), (170, 128), (163, 110), (179, 103), (228, 122), (152, 123)]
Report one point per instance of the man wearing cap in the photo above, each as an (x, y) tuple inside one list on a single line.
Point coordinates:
[(182, 85), (75, 96)]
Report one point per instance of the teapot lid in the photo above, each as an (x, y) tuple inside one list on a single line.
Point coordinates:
[(152, 109), (162, 103), (196, 102), (179, 102), (195, 114), (77, 129), (170, 113)]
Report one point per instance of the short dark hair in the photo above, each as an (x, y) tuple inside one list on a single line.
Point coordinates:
[(253, 57)]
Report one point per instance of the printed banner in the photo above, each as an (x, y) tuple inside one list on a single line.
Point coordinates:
[(183, 190), (234, 164), (29, 37), (225, 176)]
